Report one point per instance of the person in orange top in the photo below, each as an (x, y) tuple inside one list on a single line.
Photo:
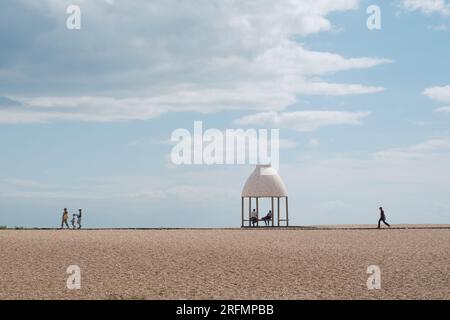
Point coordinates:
[(65, 218)]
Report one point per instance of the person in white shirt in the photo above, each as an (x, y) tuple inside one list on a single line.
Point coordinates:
[(254, 217)]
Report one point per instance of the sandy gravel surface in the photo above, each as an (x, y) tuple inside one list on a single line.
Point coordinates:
[(225, 264)]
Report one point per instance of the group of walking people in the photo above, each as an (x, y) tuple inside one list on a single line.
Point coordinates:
[(76, 219)]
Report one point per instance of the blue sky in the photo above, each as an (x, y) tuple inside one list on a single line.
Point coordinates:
[(85, 115)]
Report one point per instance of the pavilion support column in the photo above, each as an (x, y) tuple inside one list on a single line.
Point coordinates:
[(257, 212), (249, 211), (273, 213), (287, 212), (278, 212), (242, 212)]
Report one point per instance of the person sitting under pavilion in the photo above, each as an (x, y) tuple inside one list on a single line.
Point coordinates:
[(267, 218), (254, 217)]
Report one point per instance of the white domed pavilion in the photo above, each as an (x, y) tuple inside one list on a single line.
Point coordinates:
[(265, 182)]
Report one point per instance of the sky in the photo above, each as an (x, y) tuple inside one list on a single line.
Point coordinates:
[(86, 115)]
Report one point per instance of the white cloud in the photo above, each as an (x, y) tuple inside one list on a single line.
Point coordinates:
[(440, 27), (443, 110), (222, 56), (419, 151), (313, 142), (433, 145), (421, 123), (428, 6), (441, 94), (185, 193), (289, 58), (303, 120), (286, 144), (336, 89), (196, 186), (149, 142), (263, 96)]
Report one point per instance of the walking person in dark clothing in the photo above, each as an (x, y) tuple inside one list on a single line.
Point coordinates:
[(382, 218)]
